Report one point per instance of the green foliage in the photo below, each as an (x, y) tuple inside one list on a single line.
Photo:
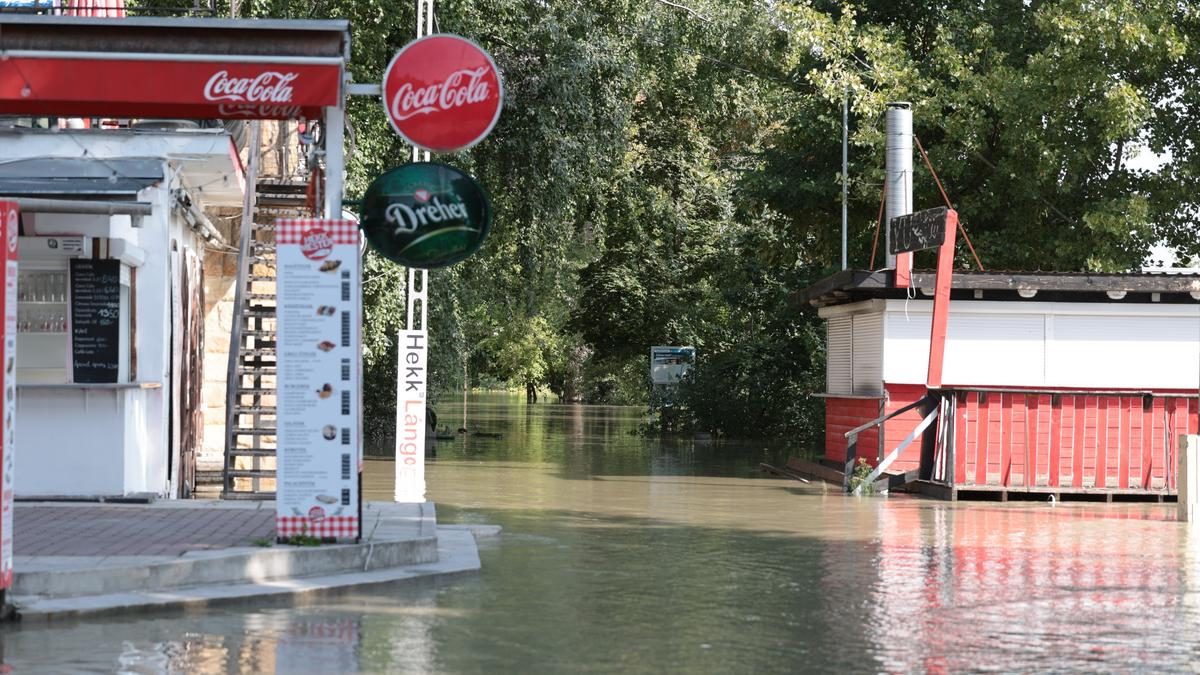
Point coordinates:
[(305, 540), (670, 175), (858, 478)]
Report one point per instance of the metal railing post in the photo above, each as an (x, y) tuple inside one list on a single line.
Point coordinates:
[(851, 456)]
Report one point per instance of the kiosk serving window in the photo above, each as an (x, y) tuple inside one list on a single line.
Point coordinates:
[(72, 314)]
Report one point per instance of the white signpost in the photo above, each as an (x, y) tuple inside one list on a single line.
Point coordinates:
[(410, 416), (441, 93), (318, 319), (410, 455)]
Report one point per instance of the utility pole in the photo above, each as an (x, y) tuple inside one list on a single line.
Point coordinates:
[(845, 165), (410, 479)]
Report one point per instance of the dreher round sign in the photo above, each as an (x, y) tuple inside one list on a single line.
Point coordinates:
[(425, 215), (442, 93)]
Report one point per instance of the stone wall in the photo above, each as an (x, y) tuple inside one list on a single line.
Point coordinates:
[(280, 162), (220, 285)]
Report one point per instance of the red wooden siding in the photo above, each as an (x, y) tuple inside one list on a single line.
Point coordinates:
[(844, 414), (1016, 439), (1022, 439)]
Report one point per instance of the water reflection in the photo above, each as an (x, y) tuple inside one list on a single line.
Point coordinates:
[(625, 555)]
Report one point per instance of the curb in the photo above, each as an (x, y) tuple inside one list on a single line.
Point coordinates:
[(455, 554)]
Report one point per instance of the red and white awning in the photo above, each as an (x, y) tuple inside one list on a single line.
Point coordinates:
[(168, 86)]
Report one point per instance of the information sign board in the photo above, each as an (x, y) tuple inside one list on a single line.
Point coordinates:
[(95, 320), (318, 347), (10, 222), (918, 231)]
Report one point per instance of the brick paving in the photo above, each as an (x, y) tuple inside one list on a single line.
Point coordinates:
[(48, 530)]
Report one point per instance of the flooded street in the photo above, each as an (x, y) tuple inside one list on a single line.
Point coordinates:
[(625, 554)]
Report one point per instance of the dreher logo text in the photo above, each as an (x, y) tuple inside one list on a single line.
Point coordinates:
[(409, 218), (316, 244), (460, 88), (268, 87)]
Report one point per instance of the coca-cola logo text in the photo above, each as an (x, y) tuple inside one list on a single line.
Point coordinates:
[(316, 244), (461, 88), (267, 87), (266, 112)]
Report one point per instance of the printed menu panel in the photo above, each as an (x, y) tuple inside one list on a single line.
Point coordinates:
[(95, 317), (317, 286), (9, 218)]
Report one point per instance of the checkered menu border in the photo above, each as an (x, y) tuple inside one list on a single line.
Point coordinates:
[(338, 527), (291, 230)]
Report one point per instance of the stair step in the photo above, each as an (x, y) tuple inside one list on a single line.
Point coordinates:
[(257, 372), (247, 452), (249, 352), (255, 409), (250, 473), (260, 296), (204, 477), (257, 351), (261, 496), (255, 432), (259, 311), (257, 332)]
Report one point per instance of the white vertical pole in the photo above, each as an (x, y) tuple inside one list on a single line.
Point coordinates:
[(1187, 464), (424, 28), (335, 160), (898, 162), (845, 166), (410, 465)]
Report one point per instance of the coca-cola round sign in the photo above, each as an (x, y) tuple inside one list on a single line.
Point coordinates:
[(442, 93), (425, 215)]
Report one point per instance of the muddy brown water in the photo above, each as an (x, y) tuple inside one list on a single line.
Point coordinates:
[(623, 554)]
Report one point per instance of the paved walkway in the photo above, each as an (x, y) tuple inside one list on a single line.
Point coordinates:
[(72, 559), (111, 530)]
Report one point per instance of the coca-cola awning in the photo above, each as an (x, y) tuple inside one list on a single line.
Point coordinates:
[(178, 68), (82, 85)]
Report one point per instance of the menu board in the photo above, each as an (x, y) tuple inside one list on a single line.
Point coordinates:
[(918, 231), (318, 309), (95, 316), (10, 219)]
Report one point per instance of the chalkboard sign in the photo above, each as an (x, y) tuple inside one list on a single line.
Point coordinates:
[(918, 231), (95, 319)]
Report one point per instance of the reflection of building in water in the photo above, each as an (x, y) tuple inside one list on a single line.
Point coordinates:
[(325, 644), (946, 589)]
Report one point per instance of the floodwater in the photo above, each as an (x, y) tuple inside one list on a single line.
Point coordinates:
[(622, 554)]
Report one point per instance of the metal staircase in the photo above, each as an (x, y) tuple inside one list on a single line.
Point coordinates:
[(250, 418), (250, 426)]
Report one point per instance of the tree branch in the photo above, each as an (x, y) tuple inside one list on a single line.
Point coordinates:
[(686, 9)]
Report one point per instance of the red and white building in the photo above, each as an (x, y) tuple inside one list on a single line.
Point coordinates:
[(1059, 383), (157, 205)]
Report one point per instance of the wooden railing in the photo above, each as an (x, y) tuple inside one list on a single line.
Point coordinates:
[(929, 401)]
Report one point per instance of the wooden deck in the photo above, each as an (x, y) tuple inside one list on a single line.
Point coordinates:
[(1005, 494)]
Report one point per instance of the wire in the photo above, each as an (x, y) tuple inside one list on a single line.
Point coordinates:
[(878, 223), (937, 180)]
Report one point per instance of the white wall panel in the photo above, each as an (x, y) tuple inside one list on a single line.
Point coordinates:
[(1102, 345), (839, 350), (981, 349), (1125, 352), (868, 353)]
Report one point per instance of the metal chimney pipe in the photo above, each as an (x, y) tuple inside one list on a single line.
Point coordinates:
[(898, 170)]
